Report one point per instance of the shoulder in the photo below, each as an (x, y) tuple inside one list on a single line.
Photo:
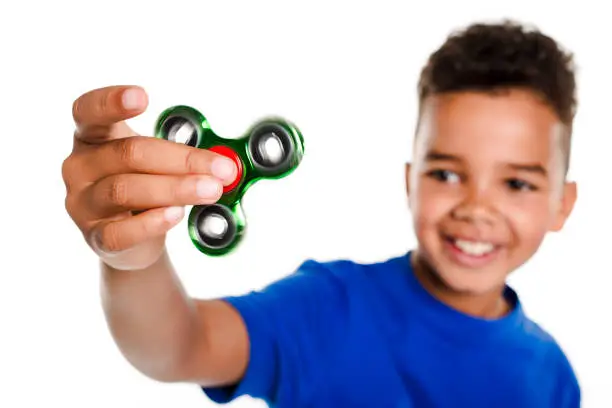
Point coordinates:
[(311, 286), (362, 278), (314, 284), (321, 284), (313, 274), (556, 364), (567, 387), (539, 338), (348, 269), (344, 270)]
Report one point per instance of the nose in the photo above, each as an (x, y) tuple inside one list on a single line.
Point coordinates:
[(476, 206)]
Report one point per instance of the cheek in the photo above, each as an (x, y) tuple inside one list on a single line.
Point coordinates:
[(529, 219), (429, 205)]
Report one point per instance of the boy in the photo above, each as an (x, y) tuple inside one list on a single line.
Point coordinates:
[(436, 327)]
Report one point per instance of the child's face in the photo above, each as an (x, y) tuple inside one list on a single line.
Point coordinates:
[(486, 185)]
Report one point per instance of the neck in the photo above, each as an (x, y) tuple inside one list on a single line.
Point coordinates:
[(490, 305)]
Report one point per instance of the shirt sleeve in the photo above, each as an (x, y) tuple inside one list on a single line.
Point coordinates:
[(292, 325)]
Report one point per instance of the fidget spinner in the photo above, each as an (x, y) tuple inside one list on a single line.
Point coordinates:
[(270, 149)]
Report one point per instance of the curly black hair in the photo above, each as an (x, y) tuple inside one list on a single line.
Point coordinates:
[(497, 56)]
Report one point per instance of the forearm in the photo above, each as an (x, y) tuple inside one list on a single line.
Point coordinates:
[(150, 316)]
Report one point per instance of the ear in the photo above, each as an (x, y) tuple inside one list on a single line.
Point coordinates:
[(568, 200), (407, 176)]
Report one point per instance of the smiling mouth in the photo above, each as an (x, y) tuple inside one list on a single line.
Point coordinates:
[(471, 247)]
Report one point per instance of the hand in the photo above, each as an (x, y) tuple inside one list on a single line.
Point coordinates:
[(113, 173)]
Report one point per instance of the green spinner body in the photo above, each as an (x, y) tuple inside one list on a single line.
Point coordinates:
[(254, 163)]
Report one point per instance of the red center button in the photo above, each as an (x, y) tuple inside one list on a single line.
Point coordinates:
[(228, 152)]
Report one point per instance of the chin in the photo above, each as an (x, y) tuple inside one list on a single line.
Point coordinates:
[(469, 282)]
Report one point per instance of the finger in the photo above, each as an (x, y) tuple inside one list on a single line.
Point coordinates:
[(110, 238), (149, 155), (136, 192), (96, 111), (109, 105)]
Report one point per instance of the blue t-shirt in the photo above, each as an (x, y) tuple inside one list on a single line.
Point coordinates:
[(344, 334)]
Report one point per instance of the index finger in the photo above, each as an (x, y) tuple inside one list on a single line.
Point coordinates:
[(104, 107), (149, 155)]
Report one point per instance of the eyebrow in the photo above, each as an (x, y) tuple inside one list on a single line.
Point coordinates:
[(535, 168), (439, 156), (530, 168)]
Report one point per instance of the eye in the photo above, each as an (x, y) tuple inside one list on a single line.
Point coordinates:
[(446, 176), (520, 185)]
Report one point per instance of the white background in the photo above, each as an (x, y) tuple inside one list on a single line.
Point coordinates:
[(346, 73)]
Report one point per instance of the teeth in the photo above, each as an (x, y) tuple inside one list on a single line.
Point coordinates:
[(474, 248)]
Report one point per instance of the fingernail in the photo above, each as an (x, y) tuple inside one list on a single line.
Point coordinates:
[(207, 188), (173, 214), (223, 168), (132, 99)]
